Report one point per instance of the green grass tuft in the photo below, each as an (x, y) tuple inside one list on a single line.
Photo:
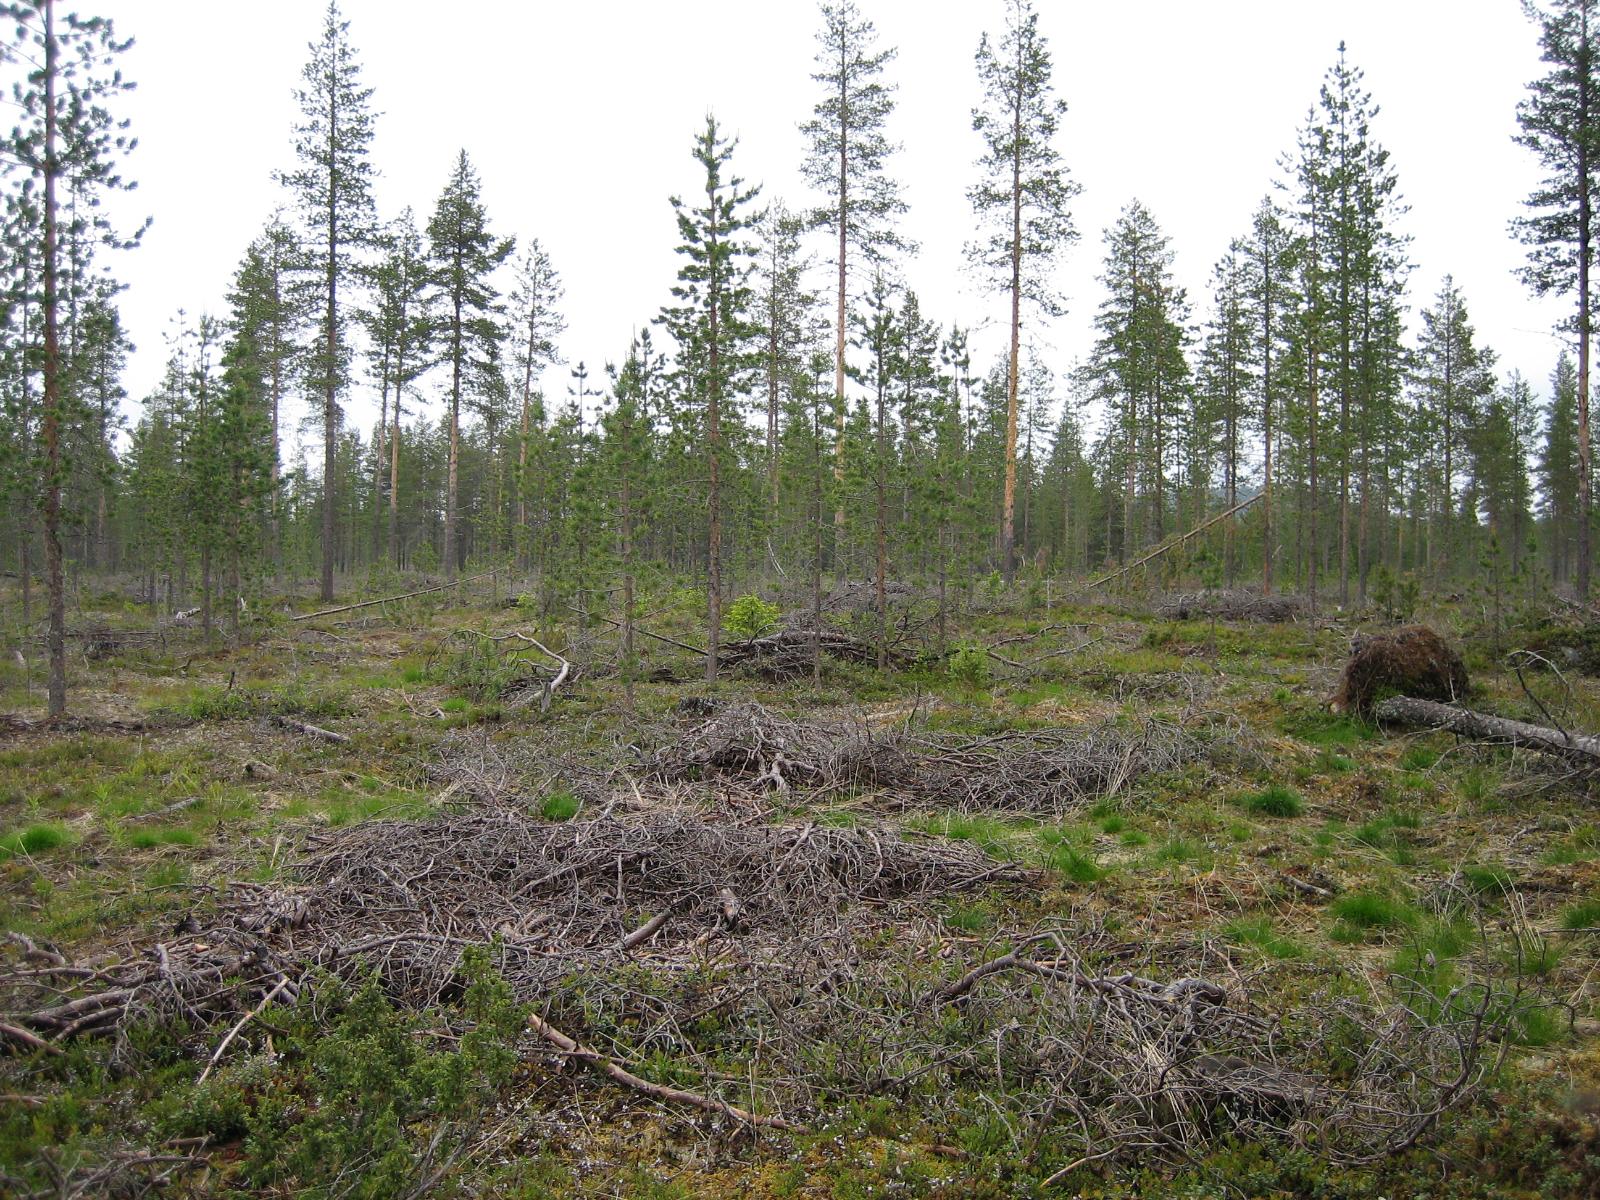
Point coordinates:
[(560, 806), (1275, 801), (146, 839), (1362, 913), (1486, 877), (1258, 933), (1077, 865), (1585, 914), (35, 839)]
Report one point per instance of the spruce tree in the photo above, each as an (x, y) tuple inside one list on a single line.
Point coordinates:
[(1268, 257), (402, 326), (1452, 379), (1558, 470), (1024, 195), (333, 185)]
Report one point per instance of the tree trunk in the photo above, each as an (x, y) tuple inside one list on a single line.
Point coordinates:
[(1429, 714), (1585, 217), (394, 484), (1008, 539), (838, 353), (331, 365), (451, 538), (51, 414)]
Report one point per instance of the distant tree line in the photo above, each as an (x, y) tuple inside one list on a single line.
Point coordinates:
[(793, 411)]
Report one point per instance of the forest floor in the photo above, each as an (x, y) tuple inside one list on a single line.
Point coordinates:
[(1125, 912)]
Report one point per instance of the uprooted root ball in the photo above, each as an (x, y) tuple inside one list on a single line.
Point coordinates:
[(1412, 661)]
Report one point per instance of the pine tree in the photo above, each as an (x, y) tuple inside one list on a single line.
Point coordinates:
[(65, 134), (1268, 256), (1349, 192), (626, 455), (1139, 368), (334, 187), (263, 299), (847, 162), (1024, 194), (535, 324), (401, 327), (1225, 370), (463, 255), (1558, 470), (713, 329), (1452, 379), (784, 304), (1560, 120)]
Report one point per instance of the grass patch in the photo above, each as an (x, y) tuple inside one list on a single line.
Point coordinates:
[(1180, 850), (969, 918), (1361, 914), (145, 839), (560, 806), (1418, 758), (35, 839), (1077, 865), (1585, 914), (1391, 834), (1321, 728), (1259, 934), (987, 833), (1330, 762), (1486, 877), (1581, 845), (1275, 801)]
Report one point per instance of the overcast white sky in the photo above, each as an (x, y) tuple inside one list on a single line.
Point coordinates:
[(579, 118)]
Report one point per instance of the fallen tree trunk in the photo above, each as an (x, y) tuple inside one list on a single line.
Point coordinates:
[(328, 612), (1427, 714)]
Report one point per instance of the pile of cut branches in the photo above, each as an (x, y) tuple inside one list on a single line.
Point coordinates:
[(1038, 771), (405, 898), (787, 652), (1230, 605), (812, 956)]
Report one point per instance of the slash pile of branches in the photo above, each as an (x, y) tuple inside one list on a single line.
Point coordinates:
[(813, 956), (1230, 605), (1038, 771)]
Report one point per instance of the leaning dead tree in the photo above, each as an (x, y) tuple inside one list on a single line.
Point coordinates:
[(1581, 749)]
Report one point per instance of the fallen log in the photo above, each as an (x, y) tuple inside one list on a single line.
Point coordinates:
[(1427, 714), (328, 612), (316, 731)]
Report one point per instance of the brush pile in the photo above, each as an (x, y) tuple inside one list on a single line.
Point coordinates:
[(1230, 605), (1032, 771), (815, 958)]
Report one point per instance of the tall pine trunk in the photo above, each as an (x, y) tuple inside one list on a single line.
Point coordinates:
[(51, 414)]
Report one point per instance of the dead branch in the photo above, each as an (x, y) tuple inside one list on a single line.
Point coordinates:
[(328, 612), (216, 1055), (658, 1091), (316, 731), (1167, 547)]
